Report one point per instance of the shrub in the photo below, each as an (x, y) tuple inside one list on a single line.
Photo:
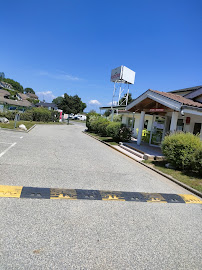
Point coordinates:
[(89, 118), (116, 118), (9, 115), (181, 150), (102, 127), (125, 134), (196, 162), (27, 115), (93, 123), (34, 114), (113, 130), (55, 116), (41, 115)]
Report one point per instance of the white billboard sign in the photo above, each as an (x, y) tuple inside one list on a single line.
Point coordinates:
[(116, 74), (123, 74)]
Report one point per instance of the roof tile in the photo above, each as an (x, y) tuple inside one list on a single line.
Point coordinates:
[(183, 100)]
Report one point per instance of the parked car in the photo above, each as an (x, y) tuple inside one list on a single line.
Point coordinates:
[(82, 117)]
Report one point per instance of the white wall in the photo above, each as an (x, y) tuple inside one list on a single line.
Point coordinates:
[(137, 120), (187, 127)]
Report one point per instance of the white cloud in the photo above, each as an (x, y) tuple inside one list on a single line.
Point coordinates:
[(59, 76), (94, 102), (47, 95)]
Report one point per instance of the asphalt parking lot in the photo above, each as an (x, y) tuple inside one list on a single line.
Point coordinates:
[(85, 234)]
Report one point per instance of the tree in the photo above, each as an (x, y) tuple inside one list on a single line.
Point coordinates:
[(70, 104), (16, 85), (107, 113), (123, 101), (58, 100), (2, 75), (29, 90)]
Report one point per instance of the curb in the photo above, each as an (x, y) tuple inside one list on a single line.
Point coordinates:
[(9, 129), (198, 193)]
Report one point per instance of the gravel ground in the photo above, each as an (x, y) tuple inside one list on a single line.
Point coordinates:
[(64, 234)]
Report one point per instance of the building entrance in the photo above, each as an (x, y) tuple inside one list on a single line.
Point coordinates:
[(158, 130)]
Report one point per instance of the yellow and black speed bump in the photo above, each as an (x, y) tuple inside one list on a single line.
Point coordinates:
[(83, 194), (35, 193)]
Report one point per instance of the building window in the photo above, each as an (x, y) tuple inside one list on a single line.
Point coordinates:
[(180, 125), (146, 124), (197, 128), (130, 123)]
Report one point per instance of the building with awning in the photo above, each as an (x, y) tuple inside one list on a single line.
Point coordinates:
[(167, 112)]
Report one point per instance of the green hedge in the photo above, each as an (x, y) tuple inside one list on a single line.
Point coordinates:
[(104, 127), (9, 115), (34, 114), (89, 118), (183, 151), (113, 130)]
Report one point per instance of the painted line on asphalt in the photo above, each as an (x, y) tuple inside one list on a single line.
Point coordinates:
[(4, 152), (104, 195)]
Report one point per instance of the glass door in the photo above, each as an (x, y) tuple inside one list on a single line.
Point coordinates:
[(157, 131)]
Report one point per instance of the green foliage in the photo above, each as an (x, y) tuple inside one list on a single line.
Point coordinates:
[(196, 162), (122, 101), (41, 114), (27, 115), (57, 100), (70, 104), (94, 121), (89, 119), (33, 101), (183, 150), (9, 115), (124, 133), (107, 113), (2, 75), (113, 130), (16, 85), (116, 118), (118, 131), (35, 114), (29, 90), (102, 126)]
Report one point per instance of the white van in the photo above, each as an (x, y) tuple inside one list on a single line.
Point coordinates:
[(82, 117)]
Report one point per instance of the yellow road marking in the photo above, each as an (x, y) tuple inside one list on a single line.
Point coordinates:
[(111, 196), (10, 191), (154, 197), (59, 193), (188, 198)]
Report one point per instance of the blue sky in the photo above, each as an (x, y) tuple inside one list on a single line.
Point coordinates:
[(64, 46)]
